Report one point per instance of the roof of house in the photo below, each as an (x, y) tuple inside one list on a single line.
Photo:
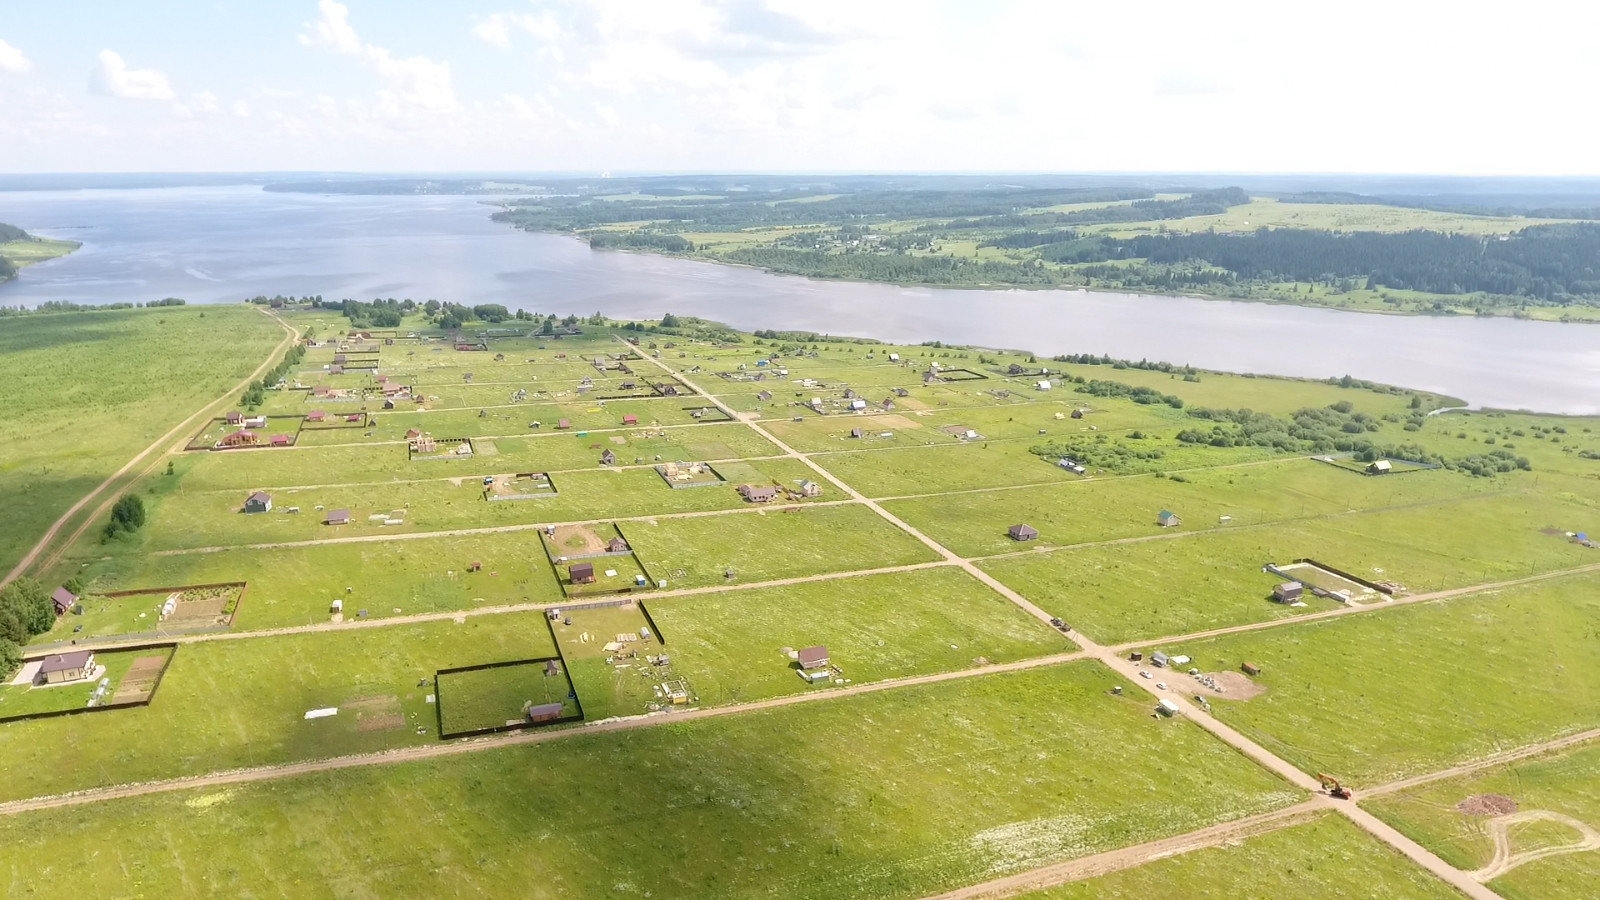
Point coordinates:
[(813, 656), (754, 491), (261, 497), (1022, 529), (581, 570), (339, 515), (65, 662), (64, 597)]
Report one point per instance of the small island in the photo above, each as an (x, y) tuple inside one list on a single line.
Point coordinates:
[(18, 248)]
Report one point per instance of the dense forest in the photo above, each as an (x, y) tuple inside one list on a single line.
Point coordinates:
[(1531, 206)]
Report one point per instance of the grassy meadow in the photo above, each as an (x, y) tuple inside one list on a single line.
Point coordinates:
[(885, 796), (86, 392)]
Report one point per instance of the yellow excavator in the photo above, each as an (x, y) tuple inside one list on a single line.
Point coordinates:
[(1333, 787)]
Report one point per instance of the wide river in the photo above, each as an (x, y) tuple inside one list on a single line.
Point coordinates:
[(214, 245)]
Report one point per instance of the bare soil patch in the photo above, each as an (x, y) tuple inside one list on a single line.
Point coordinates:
[(380, 713), (140, 680), (574, 539), (1237, 686), (894, 421), (193, 612), (1487, 805)]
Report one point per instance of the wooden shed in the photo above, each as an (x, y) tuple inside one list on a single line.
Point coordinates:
[(581, 573)]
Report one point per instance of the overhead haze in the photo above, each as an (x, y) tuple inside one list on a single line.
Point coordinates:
[(796, 85)]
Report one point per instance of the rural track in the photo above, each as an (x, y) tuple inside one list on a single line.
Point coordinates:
[(1486, 762), (1465, 882), (475, 745), (1085, 867), (1499, 829), (1263, 757), (27, 561)]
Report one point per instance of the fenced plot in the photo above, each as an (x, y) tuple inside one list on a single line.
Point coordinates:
[(1325, 581), (102, 680), (499, 697), (618, 659), (152, 612), (520, 486)]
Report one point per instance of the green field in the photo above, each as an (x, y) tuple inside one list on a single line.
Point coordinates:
[(1566, 784), (890, 795), (875, 627), (1373, 698), (1324, 857), (86, 392), (490, 698), (230, 703)]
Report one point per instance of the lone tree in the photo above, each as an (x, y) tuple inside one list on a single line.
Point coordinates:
[(126, 516)]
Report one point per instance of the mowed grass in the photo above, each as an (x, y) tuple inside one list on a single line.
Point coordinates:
[(297, 585), (772, 544), (1567, 783), (224, 704), (1179, 582), (1374, 697), (1102, 509), (891, 795), (490, 698), (86, 392), (874, 626), (1325, 857)]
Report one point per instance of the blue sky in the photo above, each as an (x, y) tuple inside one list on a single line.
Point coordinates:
[(798, 85)]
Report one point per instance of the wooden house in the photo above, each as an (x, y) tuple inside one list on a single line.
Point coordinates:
[(60, 668), (814, 658), (1168, 519), (630, 419), (338, 517), (581, 573), (758, 493), (63, 600), (259, 502)]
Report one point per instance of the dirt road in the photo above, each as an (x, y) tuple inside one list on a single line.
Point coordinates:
[(182, 428)]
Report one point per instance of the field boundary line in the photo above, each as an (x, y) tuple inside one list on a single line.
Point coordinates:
[(187, 425)]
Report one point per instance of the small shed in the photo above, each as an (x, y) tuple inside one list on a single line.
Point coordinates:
[(814, 658), (764, 396), (1158, 658), (280, 440), (856, 432), (630, 419), (901, 392), (338, 517), (1077, 414), (1288, 592), (234, 418), (608, 457), (1044, 384), (63, 600), (259, 502), (1023, 532), (316, 415), (544, 712), (413, 433), (581, 573), (1381, 467), (563, 424), (1168, 519), (617, 545), (1250, 668)]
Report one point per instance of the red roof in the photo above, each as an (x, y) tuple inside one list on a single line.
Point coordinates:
[(812, 657), (64, 599), (315, 415)]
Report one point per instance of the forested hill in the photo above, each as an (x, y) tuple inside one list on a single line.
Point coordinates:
[(12, 233)]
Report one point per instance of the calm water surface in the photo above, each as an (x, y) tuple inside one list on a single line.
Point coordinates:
[(224, 244)]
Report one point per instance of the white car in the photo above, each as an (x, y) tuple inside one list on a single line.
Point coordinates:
[(1145, 673), (1161, 685)]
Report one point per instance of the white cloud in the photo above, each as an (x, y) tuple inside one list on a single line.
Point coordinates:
[(113, 78), (201, 105), (497, 29), (412, 84), (13, 60)]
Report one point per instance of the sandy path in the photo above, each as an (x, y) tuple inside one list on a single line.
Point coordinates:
[(182, 428), (1504, 860), (1495, 759), (1130, 857)]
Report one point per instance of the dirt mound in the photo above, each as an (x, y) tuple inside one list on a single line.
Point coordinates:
[(1235, 686), (1487, 805)]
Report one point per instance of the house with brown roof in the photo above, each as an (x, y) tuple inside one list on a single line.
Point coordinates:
[(758, 493), (316, 415), (60, 668), (338, 517), (617, 545), (234, 418), (630, 419), (240, 439), (413, 433), (280, 440), (63, 600), (259, 502), (814, 658), (581, 573)]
